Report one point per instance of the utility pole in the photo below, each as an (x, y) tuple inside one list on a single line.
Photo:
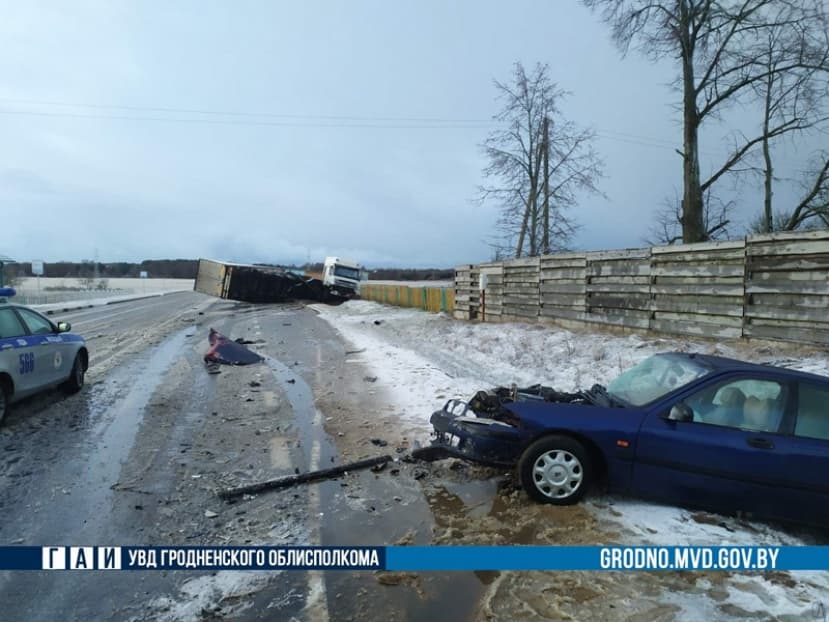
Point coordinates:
[(545, 240)]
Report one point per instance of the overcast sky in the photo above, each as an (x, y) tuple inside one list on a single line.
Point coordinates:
[(111, 145)]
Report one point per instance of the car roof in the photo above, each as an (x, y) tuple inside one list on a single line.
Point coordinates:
[(724, 364)]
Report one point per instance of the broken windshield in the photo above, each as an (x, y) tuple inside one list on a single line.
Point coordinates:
[(654, 378)]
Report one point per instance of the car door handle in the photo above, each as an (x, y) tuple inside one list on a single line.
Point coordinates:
[(761, 443)]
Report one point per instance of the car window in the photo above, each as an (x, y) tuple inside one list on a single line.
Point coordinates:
[(812, 411), (748, 404), (37, 325), (654, 378), (10, 325)]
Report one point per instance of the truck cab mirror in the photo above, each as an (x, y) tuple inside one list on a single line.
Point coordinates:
[(680, 412)]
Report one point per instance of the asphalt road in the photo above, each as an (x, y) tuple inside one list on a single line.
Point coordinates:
[(137, 457)]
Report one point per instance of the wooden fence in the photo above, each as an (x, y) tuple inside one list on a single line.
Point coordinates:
[(433, 299), (772, 287)]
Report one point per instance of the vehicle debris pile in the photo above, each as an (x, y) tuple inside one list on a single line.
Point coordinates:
[(228, 352), (262, 284)]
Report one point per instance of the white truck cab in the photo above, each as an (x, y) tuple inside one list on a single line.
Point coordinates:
[(343, 275)]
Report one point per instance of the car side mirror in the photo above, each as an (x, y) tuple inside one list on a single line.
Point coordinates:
[(64, 327), (680, 412)]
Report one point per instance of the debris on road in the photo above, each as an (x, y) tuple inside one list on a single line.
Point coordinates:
[(223, 350), (293, 480), (429, 453), (213, 368)]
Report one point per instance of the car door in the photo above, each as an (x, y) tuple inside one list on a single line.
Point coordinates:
[(806, 445), (51, 351), (729, 456), (18, 354)]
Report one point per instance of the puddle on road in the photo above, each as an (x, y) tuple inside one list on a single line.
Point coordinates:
[(309, 421), (378, 519)]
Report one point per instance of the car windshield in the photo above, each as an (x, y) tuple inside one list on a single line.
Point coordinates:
[(654, 378), (348, 273)]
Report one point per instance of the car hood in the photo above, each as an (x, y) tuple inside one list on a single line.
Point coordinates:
[(546, 415)]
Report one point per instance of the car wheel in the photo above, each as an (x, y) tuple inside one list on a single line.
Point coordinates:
[(76, 377), (4, 401), (555, 469)]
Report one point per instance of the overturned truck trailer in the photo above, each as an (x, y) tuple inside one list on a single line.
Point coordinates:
[(259, 283)]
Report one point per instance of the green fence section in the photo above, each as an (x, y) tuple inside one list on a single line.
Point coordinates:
[(434, 299)]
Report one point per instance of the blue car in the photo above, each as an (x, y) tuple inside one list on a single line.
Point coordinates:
[(690, 429)]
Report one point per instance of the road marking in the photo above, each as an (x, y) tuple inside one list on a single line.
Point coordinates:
[(317, 600), (280, 454), (316, 581)]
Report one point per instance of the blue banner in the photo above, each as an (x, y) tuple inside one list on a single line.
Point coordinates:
[(417, 558), (730, 558)]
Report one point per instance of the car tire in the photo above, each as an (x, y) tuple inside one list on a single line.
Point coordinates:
[(76, 377), (5, 398), (555, 469)]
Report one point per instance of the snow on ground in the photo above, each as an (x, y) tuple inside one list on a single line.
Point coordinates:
[(49, 290), (208, 593), (92, 302), (422, 359)]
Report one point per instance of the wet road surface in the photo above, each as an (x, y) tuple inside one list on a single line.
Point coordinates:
[(137, 457)]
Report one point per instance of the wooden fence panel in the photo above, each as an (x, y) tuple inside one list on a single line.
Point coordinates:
[(617, 287), (787, 287), (467, 292), (492, 298), (562, 286), (520, 290), (698, 289), (771, 287)]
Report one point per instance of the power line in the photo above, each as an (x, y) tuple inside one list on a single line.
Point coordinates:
[(332, 124), (292, 120), (236, 113)]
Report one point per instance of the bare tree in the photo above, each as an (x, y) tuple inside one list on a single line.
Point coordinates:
[(718, 44), (539, 163), (667, 226), (793, 101), (811, 211)]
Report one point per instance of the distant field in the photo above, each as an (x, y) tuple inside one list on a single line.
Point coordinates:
[(29, 291)]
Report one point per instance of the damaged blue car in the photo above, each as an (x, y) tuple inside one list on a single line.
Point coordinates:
[(691, 429)]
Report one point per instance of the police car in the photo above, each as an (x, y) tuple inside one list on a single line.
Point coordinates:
[(36, 354)]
